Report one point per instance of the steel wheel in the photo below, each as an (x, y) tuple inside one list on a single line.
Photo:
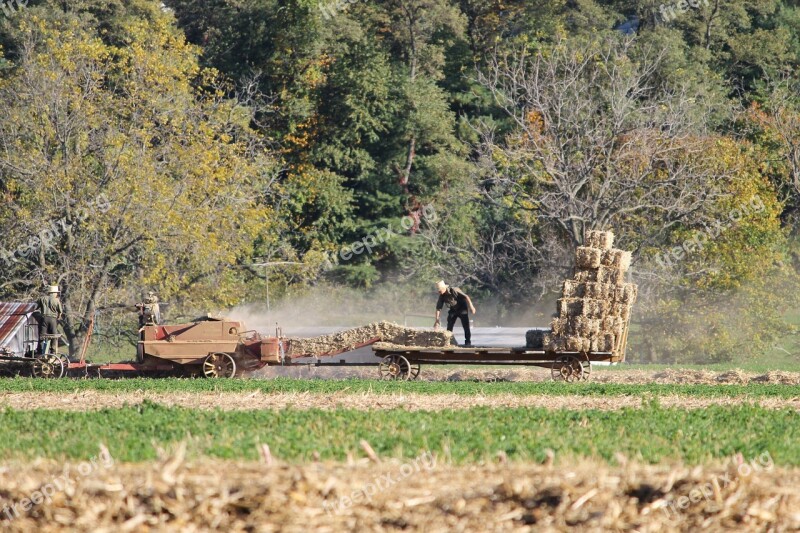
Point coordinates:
[(567, 368), (413, 371), (395, 367), (64, 364), (407, 370), (48, 366), (586, 365), (219, 365)]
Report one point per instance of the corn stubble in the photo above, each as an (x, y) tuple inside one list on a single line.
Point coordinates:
[(226, 496)]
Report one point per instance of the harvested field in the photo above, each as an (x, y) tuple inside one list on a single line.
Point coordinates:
[(599, 375), (678, 376), (351, 338), (228, 401), (422, 494)]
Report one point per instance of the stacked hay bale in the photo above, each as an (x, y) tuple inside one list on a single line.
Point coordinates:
[(595, 305), (351, 338)]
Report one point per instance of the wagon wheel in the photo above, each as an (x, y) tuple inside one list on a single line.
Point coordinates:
[(48, 366), (586, 365), (567, 368), (408, 370), (395, 367), (219, 365), (64, 363), (413, 371)]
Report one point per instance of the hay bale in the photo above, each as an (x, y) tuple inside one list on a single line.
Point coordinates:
[(603, 343), (586, 257), (578, 326), (573, 289), (603, 240), (616, 308), (612, 325), (534, 338), (595, 308), (573, 344), (619, 259), (626, 293), (351, 338), (553, 343), (599, 291), (586, 327), (578, 344), (568, 307), (586, 275), (611, 275), (559, 326), (581, 307)]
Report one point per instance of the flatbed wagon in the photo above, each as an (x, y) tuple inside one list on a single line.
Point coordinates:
[(404, 363)]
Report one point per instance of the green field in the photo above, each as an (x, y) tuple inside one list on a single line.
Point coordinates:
[(358, 386), (651, 434)]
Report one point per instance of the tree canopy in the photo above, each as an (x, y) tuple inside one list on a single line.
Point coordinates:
[(179, 145)]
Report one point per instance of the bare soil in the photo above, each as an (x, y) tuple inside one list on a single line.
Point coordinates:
[(92, 400), (386, 495), (535, 374)]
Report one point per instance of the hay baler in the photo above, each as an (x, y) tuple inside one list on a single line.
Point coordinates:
[(213, 347)]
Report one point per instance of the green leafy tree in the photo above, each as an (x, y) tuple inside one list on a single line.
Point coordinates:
[(117, 173)]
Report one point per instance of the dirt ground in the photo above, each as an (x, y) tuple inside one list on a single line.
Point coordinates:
[(92, 400), (535, 374), (422, 494)]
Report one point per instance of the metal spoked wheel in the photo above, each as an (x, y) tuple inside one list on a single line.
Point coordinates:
[(49, 366), (586, 365), (396, 367), (219, 365), (413, 371), (567, 368), (64, 364)]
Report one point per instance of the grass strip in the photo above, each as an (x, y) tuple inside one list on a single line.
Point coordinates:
[(359, 386), (651, 434)]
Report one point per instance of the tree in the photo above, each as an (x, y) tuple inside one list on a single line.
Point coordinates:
[(774, 123), (596, 144), (117, 173), (601, 141)]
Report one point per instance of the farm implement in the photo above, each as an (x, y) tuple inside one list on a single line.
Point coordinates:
[(591, 325), (222, 348)]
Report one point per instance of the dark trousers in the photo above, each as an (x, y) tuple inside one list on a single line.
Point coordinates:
[(48, 325), (451, 321)]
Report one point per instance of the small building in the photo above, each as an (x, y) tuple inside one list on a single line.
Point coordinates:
[(19, 329)]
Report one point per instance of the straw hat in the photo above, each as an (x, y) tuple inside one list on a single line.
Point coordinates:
[(441, 285), (53, 289)]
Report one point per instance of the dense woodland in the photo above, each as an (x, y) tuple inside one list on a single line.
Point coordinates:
[(182, 145)]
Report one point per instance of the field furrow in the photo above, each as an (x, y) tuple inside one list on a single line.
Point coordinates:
[(256, 400)]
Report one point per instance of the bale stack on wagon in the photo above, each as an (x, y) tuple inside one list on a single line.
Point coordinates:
[(351, 339), (595, 305)]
